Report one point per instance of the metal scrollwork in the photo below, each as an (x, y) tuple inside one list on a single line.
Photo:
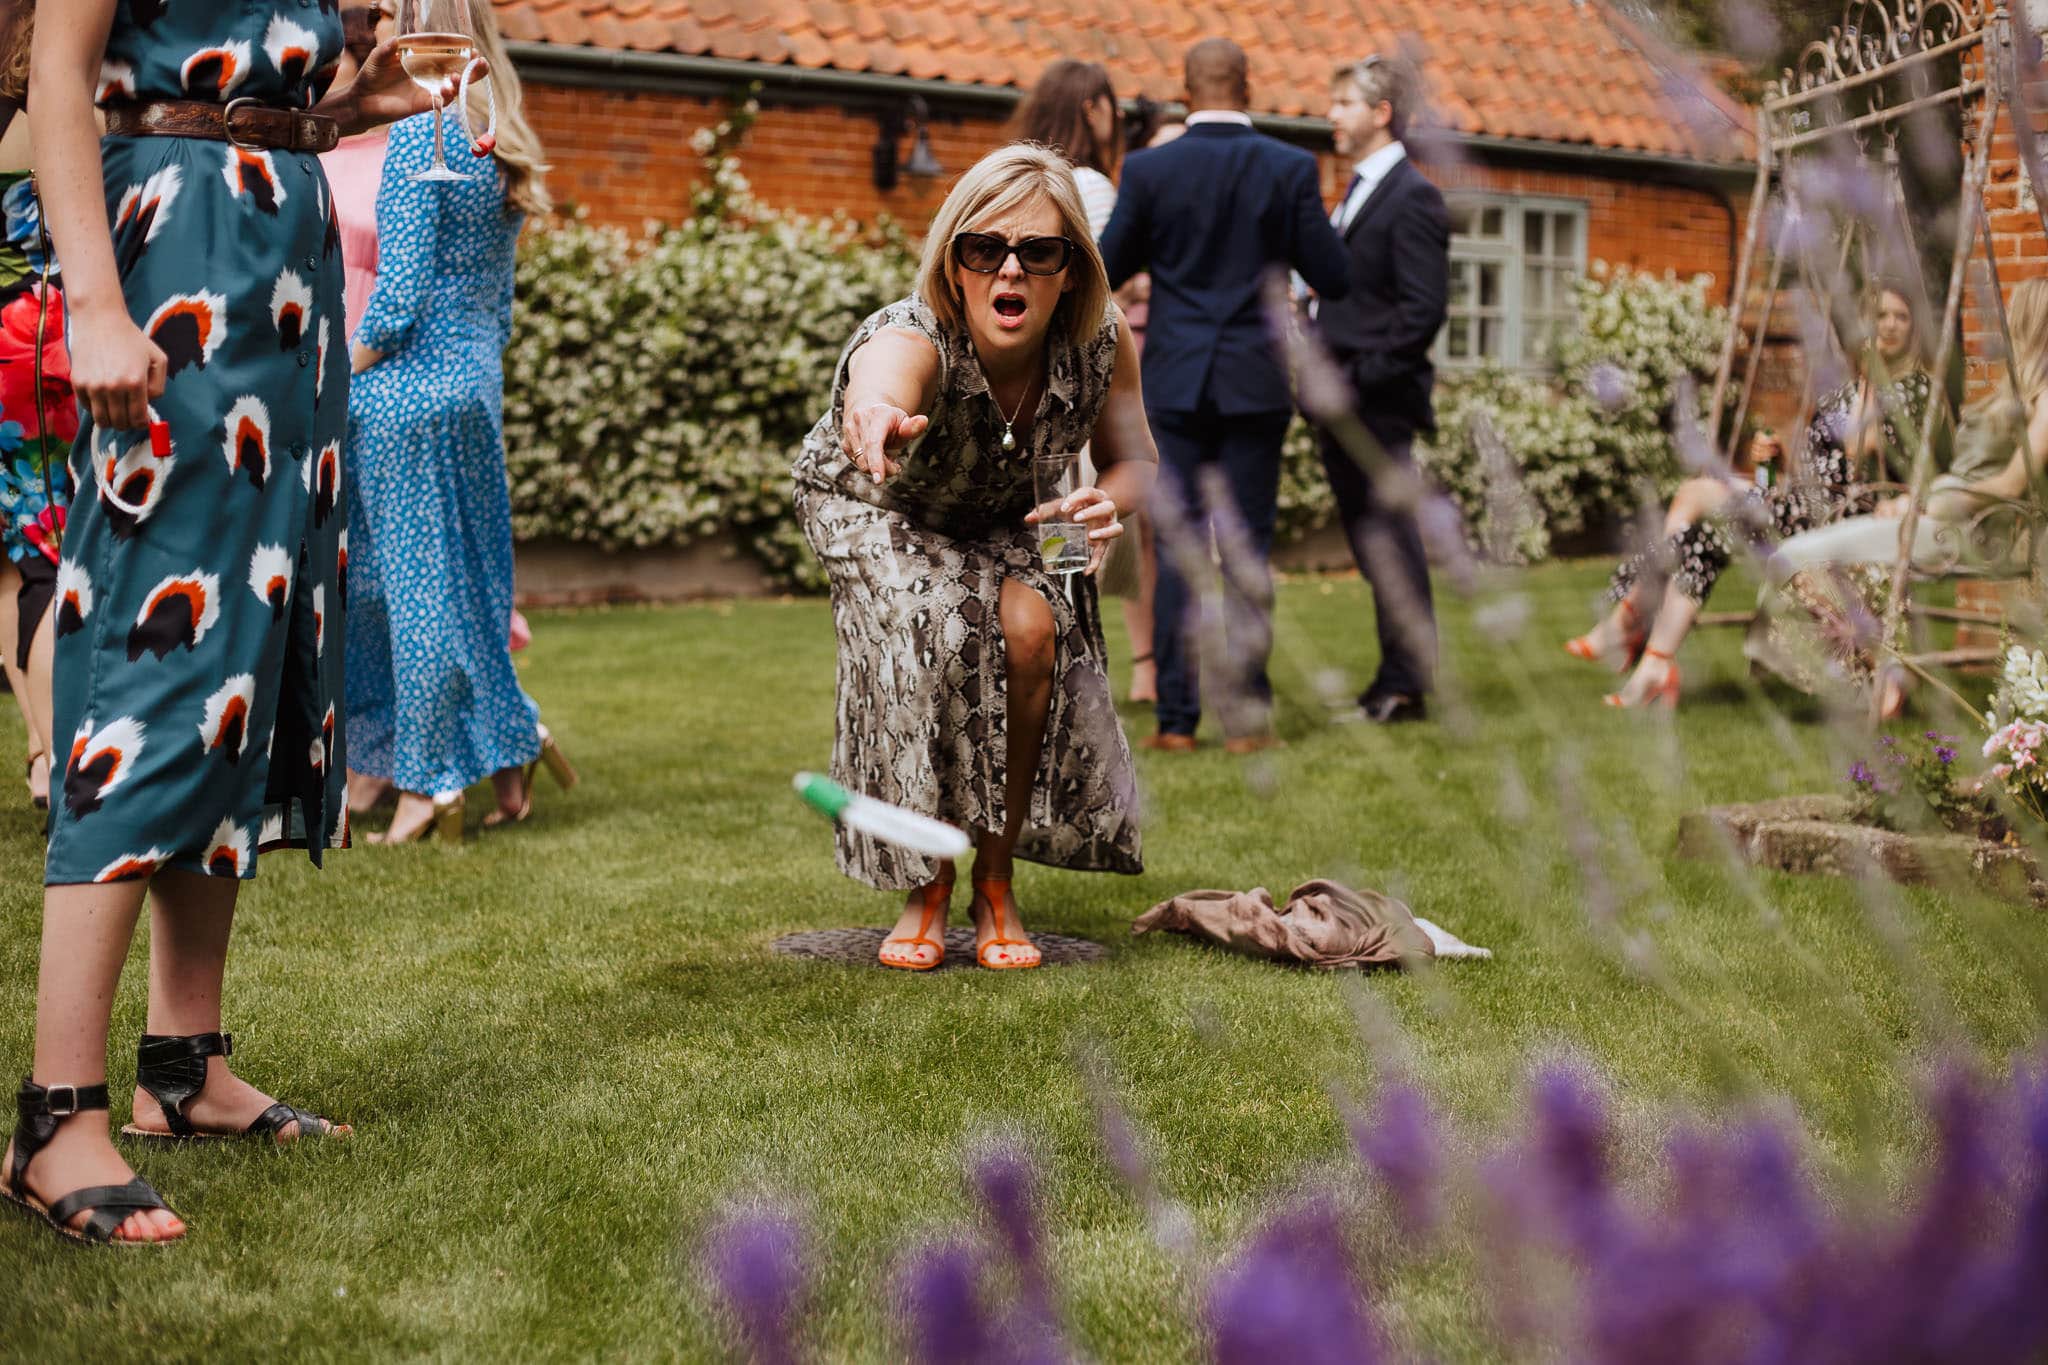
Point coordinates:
[(2002, 540), (1874, 34)]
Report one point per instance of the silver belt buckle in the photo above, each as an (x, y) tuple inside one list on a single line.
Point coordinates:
[(227, 122)]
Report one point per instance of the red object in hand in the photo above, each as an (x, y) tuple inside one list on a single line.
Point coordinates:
[(160, 439), (484, 145)]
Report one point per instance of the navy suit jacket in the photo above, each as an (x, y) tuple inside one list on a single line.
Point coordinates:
[(1398, 249), (1209, 215)]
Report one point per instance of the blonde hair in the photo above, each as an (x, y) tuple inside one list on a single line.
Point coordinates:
[(2027, 320), (1008, 178), (518, 151)]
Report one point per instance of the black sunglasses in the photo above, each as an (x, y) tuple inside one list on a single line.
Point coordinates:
[(984, 254)]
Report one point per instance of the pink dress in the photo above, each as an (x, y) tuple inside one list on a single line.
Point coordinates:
[(355, 170)]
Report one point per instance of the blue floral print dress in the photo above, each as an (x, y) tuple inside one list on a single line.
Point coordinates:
[(199, 596), (433, 702)]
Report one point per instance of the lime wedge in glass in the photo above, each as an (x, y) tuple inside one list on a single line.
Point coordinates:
[(1051, 546)]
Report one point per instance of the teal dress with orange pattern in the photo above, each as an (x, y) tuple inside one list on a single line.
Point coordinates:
[(200, 591)]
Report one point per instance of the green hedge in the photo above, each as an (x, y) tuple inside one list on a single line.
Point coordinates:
[(657, 387)]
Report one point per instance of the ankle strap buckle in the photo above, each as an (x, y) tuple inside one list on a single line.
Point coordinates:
[(69, 1105)]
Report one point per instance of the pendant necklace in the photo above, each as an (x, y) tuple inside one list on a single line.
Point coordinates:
[(1009, 442)]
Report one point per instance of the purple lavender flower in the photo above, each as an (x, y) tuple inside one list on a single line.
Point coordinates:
[(1945, 754), (1609, 385), (1003, 1179), (1568, 1145), (949, 1323), (757, 1260), (1399, 1142), (1292, 1297), (1860, 774)]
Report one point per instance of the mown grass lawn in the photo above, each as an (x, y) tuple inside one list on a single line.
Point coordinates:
[(564, 1048)]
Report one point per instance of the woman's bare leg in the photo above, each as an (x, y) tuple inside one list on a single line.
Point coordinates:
[(190, 919), (17, 677), (41, 696), (1643, 608), (1029, 648), (1674, 622), (1138, 618), (86, 932)]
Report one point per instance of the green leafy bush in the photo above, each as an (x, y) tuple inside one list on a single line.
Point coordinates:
[(657, 388), (1529, 460)]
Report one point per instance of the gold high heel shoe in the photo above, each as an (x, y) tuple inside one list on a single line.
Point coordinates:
[(557, 764), (445, 823)]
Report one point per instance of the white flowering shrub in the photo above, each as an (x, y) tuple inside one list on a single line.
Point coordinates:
[(1530, 459), (657, 388)]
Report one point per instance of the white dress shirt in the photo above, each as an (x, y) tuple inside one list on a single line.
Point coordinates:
[(1201, 116), (1370, 171)]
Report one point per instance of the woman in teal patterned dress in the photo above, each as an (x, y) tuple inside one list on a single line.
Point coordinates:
[(199, 601)]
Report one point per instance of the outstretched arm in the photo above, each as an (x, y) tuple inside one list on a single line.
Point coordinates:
[(890, 384)]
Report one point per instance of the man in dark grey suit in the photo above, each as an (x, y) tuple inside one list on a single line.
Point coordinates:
[(1397, 240)]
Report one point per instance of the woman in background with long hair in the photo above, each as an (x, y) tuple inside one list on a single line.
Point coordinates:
[(1073, 110), (1858, 433), (433, 703)]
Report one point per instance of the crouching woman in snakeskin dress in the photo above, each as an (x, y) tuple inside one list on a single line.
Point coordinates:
[(971, 682)]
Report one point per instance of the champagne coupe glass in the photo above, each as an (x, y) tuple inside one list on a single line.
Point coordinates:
[(435, 44)]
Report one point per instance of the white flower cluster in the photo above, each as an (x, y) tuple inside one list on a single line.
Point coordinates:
[(1529, 459), (2023, 686), (2018, 724)]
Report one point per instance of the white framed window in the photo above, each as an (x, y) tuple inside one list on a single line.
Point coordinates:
[(1513, 262)]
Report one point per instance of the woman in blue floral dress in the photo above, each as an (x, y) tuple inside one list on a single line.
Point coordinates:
[(199, 595), (433, 702)]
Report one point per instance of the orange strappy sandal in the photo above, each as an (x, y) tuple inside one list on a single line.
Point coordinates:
[(1664, 694), (1633, 637), (938, 898), (1023, 952)]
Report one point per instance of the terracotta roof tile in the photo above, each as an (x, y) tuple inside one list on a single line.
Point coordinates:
[(1569, 71), (685, 35)]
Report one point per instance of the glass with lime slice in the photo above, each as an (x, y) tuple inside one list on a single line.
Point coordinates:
[(1062, 544)]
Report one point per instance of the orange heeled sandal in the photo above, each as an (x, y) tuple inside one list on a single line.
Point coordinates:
[(938, 899), (1664, 694), (1633, 638), (1023, 953)]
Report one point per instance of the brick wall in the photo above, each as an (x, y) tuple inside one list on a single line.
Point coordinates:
[(2017, 240), (627, 157)]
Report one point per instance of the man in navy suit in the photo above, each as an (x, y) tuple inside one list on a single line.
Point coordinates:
[(1210, 215), (1397, 243)]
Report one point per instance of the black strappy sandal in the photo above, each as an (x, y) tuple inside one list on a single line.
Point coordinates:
[(172, 1068), (42, 1109)]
